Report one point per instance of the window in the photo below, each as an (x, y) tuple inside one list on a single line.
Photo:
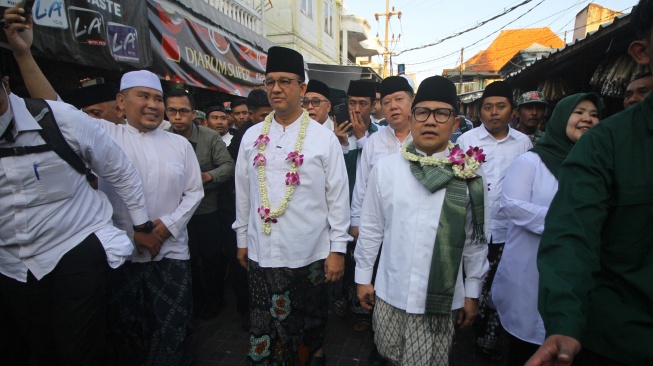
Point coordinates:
[(328, 18), (307, 8)]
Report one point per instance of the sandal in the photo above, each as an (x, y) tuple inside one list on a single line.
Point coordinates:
[(362, 324)]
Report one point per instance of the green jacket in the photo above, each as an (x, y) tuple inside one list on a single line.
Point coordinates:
[(214, 159), (596, 256)]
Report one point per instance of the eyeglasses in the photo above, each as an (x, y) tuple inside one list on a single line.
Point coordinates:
[(314, 102), (182, 112), (441, 115), (284, 83)]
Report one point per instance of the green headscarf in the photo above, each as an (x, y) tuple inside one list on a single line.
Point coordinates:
[(555, 145)]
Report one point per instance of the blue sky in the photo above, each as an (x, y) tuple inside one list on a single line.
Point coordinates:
[(426, 21)]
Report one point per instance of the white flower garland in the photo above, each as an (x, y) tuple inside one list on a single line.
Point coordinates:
[(292, 177), (464, 165)]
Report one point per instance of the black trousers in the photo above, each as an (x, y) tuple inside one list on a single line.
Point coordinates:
[(60, 319), (208, 261), (236, 274)]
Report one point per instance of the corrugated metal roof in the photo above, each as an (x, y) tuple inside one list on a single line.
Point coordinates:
[(604, 30)]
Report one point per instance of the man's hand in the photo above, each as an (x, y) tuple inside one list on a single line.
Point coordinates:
[(342, 131), (19, 32), (365, 295), (557, 350), (206, 177), (334, 267), (161, 230), (359, 125), (147, 241), (353, 231), (467, 314), (241, 255)]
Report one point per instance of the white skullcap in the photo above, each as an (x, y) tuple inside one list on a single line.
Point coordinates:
[(410, 81), (142, 78)]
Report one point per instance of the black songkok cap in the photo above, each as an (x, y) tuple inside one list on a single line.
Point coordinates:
[(498, 89), (90, 95), (360, 88), (393, 84), (282, 59), (316, 86), (439, 89)]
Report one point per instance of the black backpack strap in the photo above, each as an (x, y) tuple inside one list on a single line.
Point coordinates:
[(23, 150), (53, 137)]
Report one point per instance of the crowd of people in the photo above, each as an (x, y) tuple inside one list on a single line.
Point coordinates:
[(126, 209)]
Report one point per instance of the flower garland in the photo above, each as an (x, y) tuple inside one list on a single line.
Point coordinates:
[(295, 158), (463, 164)]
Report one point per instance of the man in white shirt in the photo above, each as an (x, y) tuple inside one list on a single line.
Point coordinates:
[(501, 144), (396, 98), (291, 219), (152, 294), (317, 104), (57, 236), (430, 236)]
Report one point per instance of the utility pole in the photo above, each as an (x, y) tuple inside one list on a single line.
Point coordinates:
[(462, 68), (386, 54)]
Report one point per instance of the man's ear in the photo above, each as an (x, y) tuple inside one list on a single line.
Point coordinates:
[(640, 51)]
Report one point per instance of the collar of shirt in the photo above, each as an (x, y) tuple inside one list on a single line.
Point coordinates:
[(291, 127), (484, 133), (194, 134), (23, 119)]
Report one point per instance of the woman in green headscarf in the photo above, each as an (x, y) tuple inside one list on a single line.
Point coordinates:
[(528, 189)]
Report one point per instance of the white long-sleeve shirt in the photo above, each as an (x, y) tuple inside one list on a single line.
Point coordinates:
[(380, 144), (47, 208), (401, 213), (499, 154), (172, 184), (317, 218), (528, 190)]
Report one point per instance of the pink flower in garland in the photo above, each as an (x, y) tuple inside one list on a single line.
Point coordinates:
[(264, 212), (292, 178), (262, 139), (457, 156), (259, 159), (296, 158), (476, 153)]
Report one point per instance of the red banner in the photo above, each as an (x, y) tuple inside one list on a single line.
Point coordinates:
[(189, 50)]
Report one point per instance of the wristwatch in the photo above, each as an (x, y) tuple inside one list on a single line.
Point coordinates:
[(144, 228)]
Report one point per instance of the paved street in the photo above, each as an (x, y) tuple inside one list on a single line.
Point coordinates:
[(222, 341)]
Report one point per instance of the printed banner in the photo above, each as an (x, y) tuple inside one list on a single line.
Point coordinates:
[(98, 33), (188, 50)]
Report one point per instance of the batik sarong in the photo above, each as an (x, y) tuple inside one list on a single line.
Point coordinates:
[(288, 309)]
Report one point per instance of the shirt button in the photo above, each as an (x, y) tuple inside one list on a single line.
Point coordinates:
[(19, 210), (10, 170), (17, 191)]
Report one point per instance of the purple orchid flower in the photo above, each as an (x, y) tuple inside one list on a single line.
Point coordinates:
[(457, 156), (259, 159), (476, 153), (292, 179), (262, 139), (296, 158)]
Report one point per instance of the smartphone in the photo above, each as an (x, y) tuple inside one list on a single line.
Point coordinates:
[(95, 81), (27, 5), (341, 112)]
